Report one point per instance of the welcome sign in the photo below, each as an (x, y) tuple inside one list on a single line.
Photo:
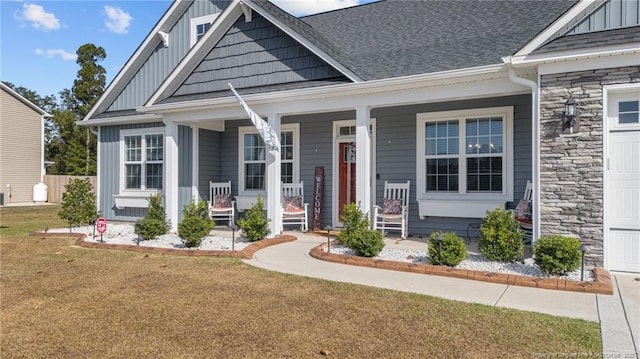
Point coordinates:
[(318, 193)]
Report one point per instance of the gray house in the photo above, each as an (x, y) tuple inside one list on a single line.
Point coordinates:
[(464, 99)]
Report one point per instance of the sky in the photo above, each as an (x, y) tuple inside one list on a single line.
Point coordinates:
[(38, 39)]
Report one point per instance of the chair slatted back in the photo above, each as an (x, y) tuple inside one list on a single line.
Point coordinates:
[(293, 189), (528, 191), (397, 191), (218, 188)]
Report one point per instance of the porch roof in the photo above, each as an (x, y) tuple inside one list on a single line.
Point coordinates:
[(628, 35)]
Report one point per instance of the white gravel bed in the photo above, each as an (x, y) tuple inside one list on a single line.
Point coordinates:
[(473, 262), (123, 234)]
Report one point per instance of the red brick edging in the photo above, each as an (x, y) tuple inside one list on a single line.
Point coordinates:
[(601, 284), (246, 253)]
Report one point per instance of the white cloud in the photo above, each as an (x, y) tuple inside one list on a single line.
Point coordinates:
[(118, 20), (51, 53), (38, 17), (308, 7)]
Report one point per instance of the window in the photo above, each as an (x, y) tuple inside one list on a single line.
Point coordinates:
[(142, 159), (628, 112), (465, 154), (253, 157), (200, 25)]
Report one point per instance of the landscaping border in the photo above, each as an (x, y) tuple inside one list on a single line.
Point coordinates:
[(600, 285), (246, 253)]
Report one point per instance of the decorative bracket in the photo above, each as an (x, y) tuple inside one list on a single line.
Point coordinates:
[(246, 11), (165, 38)]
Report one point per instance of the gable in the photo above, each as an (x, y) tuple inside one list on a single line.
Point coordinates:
[(610, 15), (255, 54)]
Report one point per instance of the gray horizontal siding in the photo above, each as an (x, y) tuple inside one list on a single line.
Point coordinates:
[(164, 59), (209, 161), (109, 172), (254, 54), (396, 153), (611, 15)]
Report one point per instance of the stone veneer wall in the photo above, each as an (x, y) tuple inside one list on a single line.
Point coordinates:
[(571, 165)]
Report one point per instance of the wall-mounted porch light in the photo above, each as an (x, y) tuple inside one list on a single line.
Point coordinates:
[(570, 115)]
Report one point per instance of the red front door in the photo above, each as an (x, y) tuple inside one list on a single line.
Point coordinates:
[(347, 175)]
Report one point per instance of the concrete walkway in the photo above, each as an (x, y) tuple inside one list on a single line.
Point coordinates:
[(619, 315)]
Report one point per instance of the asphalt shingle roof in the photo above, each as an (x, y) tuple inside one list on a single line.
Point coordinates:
[(626, 35), (392, 38)]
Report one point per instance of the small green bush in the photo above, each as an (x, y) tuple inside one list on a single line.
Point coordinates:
[(255, 224), (78, 202), (450, 252), (195, 224), (154, 222), (356, 233), (353, 221), (500, 237), (556, 254)]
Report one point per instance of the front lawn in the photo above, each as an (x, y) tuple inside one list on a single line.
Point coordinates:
[(58, 300)]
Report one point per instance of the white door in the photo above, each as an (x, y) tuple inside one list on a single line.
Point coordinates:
[(622, 235)]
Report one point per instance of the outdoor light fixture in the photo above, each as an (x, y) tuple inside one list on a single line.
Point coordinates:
[(583, 249), (570, 114), (328, 229), (233, 236)]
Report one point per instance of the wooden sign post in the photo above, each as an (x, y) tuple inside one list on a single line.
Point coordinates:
[(318, 193)]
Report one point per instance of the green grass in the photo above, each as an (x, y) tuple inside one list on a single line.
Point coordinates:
[(59, 300)]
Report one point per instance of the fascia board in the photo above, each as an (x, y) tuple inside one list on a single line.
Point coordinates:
[(561, 25), (577, 54), (117, 83), (310, 46), (373, 86), (20, 98), (219, 27), (121, 120)]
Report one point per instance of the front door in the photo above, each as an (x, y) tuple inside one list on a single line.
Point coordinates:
[(623, 183), (346, 174)]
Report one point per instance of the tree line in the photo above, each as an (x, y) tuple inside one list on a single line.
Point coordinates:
[(72, 149)]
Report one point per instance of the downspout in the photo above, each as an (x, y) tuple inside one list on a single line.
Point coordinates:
[(535, 144)]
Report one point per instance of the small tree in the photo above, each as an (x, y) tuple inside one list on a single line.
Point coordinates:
[(78, 202), (255, 224), (356, 233), (154, 222), (500, 237), (195, 224)]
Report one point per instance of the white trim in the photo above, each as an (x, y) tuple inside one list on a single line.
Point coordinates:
[(561, 25), (335, 188), (273, 177), (200, 21), (121, 120), (98, 175), (586, 61), (171, 178), (616, 125), (363, 158), (22, 99), (122, 191), (195, 165), (242, 130), (463, 198), (43, 171)]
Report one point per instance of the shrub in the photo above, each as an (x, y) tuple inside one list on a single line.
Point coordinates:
[(353, 221), (356, 233), (78, 202), (500, 238), (195, 224), (557, 254), (255, 224), (154, 222), (450, 252)]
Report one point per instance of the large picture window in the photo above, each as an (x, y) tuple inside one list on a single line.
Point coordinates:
[(143, 161), (253, 157), (463, 154)]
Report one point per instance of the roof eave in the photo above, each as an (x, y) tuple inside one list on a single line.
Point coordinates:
[(25, 101), (567, 55)]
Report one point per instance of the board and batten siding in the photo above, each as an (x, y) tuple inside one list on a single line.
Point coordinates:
[(253, 54), (109, 173), (164, 59), (612, 14), (396, 154), (20, 149)]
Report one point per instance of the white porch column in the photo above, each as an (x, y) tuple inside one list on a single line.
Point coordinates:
[(273, 181), (363, 158), (195, 169), (171, 173)]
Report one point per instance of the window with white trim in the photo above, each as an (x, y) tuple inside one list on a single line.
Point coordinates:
[(200, 25), (465, 154), (628, 112), (253, 152), (142, 154)]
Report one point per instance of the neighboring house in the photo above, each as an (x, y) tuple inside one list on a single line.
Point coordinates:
[(21, 146), (465, 99)]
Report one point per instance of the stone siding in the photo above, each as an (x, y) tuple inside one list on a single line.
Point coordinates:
[(571, 164)]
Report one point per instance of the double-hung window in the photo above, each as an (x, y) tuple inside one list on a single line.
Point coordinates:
[(252, 166), (142, 160), (465, 155)]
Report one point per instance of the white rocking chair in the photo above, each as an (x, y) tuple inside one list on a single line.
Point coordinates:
[(294, 209), (221, 203), (525, 224), (394, 213)]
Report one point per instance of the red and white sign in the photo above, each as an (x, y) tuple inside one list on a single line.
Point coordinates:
[(101, 225)]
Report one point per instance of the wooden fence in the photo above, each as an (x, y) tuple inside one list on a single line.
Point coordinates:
[(55, 186)]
